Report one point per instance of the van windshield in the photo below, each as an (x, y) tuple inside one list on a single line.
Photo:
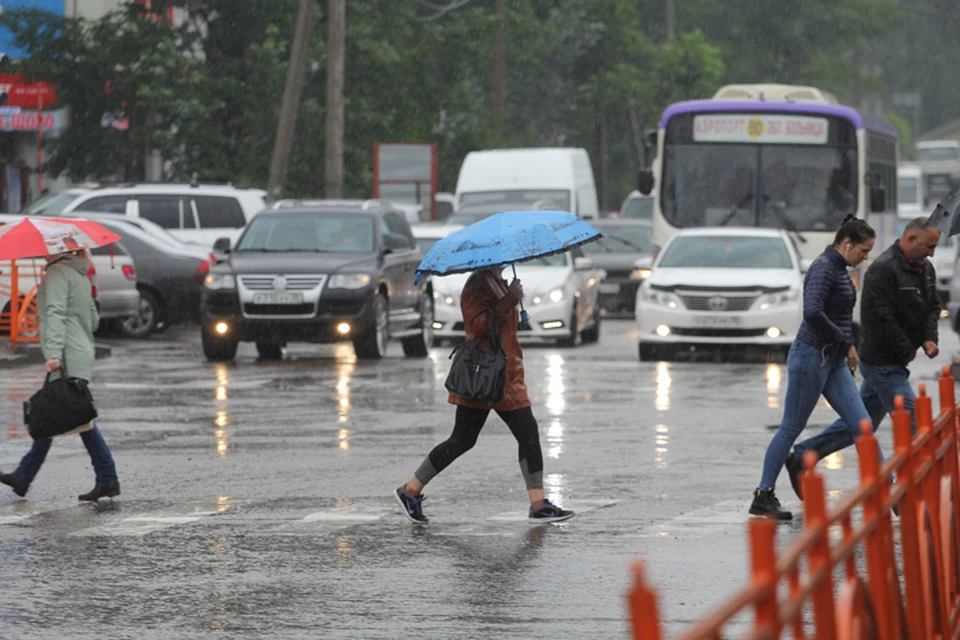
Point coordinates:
[(49, 204), (532, 198)]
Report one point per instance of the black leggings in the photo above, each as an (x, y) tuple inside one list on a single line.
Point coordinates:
[(467, 428)]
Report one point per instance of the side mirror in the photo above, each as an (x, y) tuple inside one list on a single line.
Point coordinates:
[(395, 242), (878, 198), (805, 264), (645, 181), (650, 139), (582, 264), (222, 245)]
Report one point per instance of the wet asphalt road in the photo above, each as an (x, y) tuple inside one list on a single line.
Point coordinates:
[(257, 496)]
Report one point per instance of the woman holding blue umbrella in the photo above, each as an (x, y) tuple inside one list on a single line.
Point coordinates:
[(485, 248)]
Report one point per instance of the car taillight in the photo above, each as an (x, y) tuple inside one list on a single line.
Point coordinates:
[(129, 271), (213, 259), (92, 277), (202, 271)]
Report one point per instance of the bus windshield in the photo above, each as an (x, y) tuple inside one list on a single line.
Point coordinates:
[(710, 181)]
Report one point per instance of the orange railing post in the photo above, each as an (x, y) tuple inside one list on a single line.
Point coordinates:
[(909, 540), (814, 517), (642, 603), (763, 563), (14, 304)]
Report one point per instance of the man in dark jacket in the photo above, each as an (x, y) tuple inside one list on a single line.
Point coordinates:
[(899, 314)]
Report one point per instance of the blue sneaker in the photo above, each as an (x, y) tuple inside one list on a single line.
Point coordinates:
[(549, 512), (412, 505)]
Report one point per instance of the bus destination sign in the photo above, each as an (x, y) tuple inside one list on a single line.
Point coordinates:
[(765, 128)]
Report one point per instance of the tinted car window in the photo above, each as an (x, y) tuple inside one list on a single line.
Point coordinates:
[(395, 223), (727, 252), (350, 233), (118, 250), (164, 211), (626, 239), (218, 211), (106, 204)]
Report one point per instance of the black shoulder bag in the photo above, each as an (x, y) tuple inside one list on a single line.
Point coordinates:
[(477, 374), (59, 406)]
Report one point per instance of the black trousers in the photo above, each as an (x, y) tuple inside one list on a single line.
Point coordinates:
[(466, 429)]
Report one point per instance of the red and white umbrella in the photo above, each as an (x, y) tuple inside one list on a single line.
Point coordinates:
[(35, 237)]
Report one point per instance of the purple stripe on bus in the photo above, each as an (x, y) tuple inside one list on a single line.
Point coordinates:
[(751, 106)]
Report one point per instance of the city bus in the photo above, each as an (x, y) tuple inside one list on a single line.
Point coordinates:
[(779, 156)]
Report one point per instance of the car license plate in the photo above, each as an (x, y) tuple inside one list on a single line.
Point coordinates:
[(719, 322), (609, 287), (277, 298)]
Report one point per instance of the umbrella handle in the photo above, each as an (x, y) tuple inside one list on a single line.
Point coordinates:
[(524, 316)]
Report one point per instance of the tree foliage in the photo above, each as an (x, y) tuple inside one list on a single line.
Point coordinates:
[(591, 73)]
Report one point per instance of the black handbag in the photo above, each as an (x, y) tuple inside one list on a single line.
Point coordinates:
[(477, 374), (59, 406)]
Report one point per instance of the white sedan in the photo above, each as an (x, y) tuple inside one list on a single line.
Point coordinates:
[(560, 294), (721, 287)]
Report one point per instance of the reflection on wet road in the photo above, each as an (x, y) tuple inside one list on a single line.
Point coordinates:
[(257, 497)]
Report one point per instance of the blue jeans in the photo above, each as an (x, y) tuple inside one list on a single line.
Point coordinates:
[(881, 385), (100, 455), (810, 374)]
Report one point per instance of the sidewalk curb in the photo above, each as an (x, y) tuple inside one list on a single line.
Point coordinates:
[(30, 354)]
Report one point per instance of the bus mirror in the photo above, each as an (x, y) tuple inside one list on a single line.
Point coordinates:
[(650, 139), (878, 198), (645, 181)]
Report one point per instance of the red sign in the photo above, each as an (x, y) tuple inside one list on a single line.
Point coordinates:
[(21, 93)]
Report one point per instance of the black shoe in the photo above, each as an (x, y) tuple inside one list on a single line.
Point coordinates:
[(412, 505), (7, 479), (794, 465), (765, 503), (100, 492), (549, 512)]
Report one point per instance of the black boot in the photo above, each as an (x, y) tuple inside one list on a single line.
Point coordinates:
[(794, 466), (7, 479), (765, 503)]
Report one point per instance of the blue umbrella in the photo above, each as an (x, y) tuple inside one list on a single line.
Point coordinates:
[(504, 239)]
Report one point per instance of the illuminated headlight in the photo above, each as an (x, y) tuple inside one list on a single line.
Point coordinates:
[(640, 274), (662, 330), (556, 295), (448, 299), (215, 281), (221, 328), (778, 299), (773, 332), (343, 328), (662, 298), (349, 281)]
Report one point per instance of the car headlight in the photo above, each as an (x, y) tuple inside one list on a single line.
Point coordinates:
[(215, 281), (777, 299), (662, 298), (640, 274), (556, 295), (349, 281), (445, 298)]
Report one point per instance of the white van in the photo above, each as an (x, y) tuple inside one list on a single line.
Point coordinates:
[(911, 194), (544, 178)]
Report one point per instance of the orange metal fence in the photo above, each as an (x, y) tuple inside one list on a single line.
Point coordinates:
[(912, 583), (21, 322)]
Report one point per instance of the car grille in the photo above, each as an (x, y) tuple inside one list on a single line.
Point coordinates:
[(617, 274), (719, 333), (251, 309), (718, 303), (294, 283)]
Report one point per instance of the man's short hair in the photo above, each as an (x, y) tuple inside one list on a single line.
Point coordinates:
[(916, 224)]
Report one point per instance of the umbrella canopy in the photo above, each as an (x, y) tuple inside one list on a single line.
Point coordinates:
[(946, 217), (506, 238), (35, 237)]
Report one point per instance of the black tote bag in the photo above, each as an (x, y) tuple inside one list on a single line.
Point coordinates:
[(477, 374), (59, 406)]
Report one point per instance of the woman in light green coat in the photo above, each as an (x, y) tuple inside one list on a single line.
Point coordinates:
[(68, 318)]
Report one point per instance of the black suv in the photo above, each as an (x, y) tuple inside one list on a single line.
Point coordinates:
[(319, 273)]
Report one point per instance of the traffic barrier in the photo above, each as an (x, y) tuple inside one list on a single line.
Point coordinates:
[(22, 321), (912, 585)]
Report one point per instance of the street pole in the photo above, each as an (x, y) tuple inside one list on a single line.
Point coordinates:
[(336, 53), (39, 143), (500, 71), (671, 20), (291, 100)]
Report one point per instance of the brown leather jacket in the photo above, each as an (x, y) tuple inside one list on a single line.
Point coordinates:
[(486, 290)]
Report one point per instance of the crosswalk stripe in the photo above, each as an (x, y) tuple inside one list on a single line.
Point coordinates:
[(151, 522)]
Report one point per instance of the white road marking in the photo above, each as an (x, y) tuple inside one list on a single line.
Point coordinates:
[(703, 522), (22, 510), (336, 518), (172, 516)]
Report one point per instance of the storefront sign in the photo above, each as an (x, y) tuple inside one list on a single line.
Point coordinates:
[(760, 128), (21, 93), (27, 121)]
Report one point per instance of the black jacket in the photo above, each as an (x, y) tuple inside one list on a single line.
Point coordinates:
[(899, 311)]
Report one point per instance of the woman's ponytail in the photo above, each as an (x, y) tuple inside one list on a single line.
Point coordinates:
[(855, 229)]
